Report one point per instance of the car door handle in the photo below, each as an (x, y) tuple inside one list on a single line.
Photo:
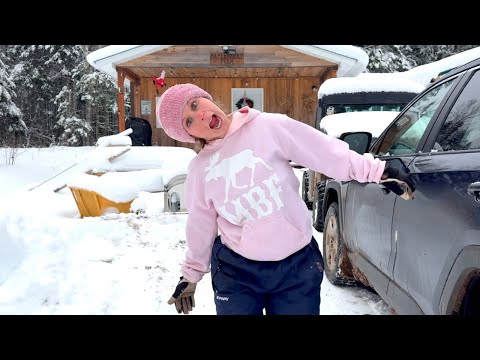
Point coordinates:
[(474, 190)]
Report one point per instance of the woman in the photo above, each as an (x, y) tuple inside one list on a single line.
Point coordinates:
[(242, 187)]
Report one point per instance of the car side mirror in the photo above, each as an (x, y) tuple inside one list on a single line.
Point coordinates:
[(358, 141)]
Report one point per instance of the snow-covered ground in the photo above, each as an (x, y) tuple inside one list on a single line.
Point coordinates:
[(54, 262)]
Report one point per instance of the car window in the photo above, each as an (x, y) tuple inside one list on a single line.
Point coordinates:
[(405, 134), (461, 130)]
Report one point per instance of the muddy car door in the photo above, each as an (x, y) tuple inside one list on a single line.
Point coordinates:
[(430, 231), (372, 208)]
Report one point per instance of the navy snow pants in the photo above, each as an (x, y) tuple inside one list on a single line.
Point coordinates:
[(287, 287)]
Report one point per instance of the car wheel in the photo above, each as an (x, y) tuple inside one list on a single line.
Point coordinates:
[(318, 223), (334, 251), (471, 301), (305, 182)]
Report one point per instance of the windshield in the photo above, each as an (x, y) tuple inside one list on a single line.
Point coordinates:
[(349, 102), (342, 108)]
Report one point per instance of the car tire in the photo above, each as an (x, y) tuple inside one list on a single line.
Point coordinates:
[(334, 252), (319, 221), (471, 301), (305, 182)]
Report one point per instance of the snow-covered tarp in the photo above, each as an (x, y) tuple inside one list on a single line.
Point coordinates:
[(140, 158), (120, 187), (171, 160), (138, 169)]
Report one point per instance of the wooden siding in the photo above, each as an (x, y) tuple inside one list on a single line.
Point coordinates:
[(286, 76), (282, 95), (234, 72)]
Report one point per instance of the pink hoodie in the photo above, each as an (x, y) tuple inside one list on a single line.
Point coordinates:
[(243, 187)]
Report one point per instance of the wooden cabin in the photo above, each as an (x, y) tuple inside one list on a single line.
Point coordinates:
[(273, 78)]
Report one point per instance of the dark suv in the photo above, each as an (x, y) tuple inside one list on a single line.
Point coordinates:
[(422, 256)]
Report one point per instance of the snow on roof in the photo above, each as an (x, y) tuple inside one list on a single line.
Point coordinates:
[(351, 60), (105, 59), (424, 73), (413, 80), (369, 82), (372, 121)]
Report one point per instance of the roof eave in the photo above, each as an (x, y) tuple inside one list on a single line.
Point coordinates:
[(351, 60), (107, 59)]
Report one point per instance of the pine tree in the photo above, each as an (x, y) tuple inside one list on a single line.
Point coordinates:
[(73, 129), (98, 97), (41, 71), (395, 58), (11, 124), (388, 58), (56, 96)]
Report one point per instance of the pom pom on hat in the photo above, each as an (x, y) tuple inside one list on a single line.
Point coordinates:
[(170, 107)]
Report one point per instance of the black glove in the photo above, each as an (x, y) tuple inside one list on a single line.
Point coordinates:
[(398, 181), (183, 296)]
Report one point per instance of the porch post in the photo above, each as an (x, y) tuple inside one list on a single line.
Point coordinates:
[(121, 101)]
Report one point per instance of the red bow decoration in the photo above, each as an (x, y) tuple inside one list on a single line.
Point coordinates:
[(159, 82)]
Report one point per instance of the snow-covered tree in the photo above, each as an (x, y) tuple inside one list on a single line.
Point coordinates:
[(425, 54), (88, 107), (11, 124), (40, 72), (73, 131), (12, 127), (393, 58), (60, 106), (388, 58), (98, 97)]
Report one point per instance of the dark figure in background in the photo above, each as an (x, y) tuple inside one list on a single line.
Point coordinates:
[(142, 131)]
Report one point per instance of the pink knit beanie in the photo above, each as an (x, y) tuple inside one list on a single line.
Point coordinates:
[(170, 108)]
